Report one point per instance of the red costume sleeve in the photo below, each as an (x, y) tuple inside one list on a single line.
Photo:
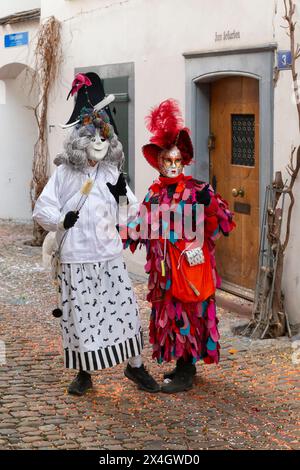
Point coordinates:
[(218, 217)]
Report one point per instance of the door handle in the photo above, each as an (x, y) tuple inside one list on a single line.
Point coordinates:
[(211, 141), (238, 192)]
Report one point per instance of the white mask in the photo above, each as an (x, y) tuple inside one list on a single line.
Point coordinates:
[(98, 147)]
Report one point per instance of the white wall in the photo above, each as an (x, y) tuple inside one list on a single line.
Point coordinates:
[(18, 131), (17, 136), (286, 135), (18, 127), (153, 34), (9, 7), (18, 54)]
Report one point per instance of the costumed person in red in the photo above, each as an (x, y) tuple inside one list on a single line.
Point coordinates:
[(181, 266)]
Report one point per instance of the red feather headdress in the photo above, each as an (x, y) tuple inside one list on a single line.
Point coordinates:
[(166, 124)]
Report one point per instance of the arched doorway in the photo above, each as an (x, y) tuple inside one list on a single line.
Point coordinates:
[(18, 134), (233, 169), (219, 83), (234, 164)]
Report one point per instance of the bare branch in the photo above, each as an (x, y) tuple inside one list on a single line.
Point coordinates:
[(285, 9), (288, 17), (48, 58), (290, 192)]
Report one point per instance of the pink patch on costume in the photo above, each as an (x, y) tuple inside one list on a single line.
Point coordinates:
[(163, 338), (214, 333), (163, 319), (188, 209), (179, 347), (185, 319), (180, 338), (211, 311), (193, 341), (158, 265), (171, 311), (178, 310), (148, 266), (210, 324), (186, 194)]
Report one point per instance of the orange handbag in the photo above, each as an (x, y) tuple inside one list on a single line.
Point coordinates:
[(190, 283)]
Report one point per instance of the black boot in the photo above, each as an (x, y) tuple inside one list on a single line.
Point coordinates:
[(182, 381), (142, 378), (80, 384), (170, 375)]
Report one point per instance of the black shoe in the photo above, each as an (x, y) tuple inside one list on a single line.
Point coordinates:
[(182, 381), (142, 378), (80, 384), (170, 375)]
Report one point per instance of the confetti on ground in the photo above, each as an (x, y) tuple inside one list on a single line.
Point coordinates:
[(250, 400)]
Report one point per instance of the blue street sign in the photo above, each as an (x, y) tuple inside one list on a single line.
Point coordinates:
[(16, 39), (284, 59)]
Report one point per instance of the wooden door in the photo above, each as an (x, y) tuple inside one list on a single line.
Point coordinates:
[(234, 171)]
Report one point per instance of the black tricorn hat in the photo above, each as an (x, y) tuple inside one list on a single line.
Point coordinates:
[(90, 92)]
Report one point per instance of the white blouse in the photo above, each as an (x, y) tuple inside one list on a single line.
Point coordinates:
[(94, 237)]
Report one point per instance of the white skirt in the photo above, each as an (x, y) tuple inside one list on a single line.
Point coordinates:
[(100, 323)]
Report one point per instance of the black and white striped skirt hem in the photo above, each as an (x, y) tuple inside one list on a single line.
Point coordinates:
[(105, 357)]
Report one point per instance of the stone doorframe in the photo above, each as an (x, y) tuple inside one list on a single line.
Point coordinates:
[(203, 67)]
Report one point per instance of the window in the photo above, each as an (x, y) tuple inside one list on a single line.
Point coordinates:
[(243, 139)]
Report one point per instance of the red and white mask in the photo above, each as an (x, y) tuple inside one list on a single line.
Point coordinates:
[(170, 162)]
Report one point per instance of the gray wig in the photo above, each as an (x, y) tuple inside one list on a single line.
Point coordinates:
[(75, 153)]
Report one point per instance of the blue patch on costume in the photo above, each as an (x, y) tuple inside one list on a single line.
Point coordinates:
[(173, 236), (211, 345), (147, 197), (180, 206), (216, 231), (185, 331), (165, 225), (204, 307), (194, 360), (168, 284), (132, 224)]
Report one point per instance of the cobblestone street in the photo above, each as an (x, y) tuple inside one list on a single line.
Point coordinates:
[(250, 400)]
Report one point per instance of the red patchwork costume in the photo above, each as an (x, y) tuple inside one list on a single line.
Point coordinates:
[(182, 269)]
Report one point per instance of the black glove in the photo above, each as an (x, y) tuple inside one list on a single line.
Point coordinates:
[(118, 189), (203, 196), (70, 219)]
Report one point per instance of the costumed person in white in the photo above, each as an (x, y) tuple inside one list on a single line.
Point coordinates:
[(97, 306)]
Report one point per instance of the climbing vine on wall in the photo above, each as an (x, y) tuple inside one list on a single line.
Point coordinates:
[(47, 61)]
